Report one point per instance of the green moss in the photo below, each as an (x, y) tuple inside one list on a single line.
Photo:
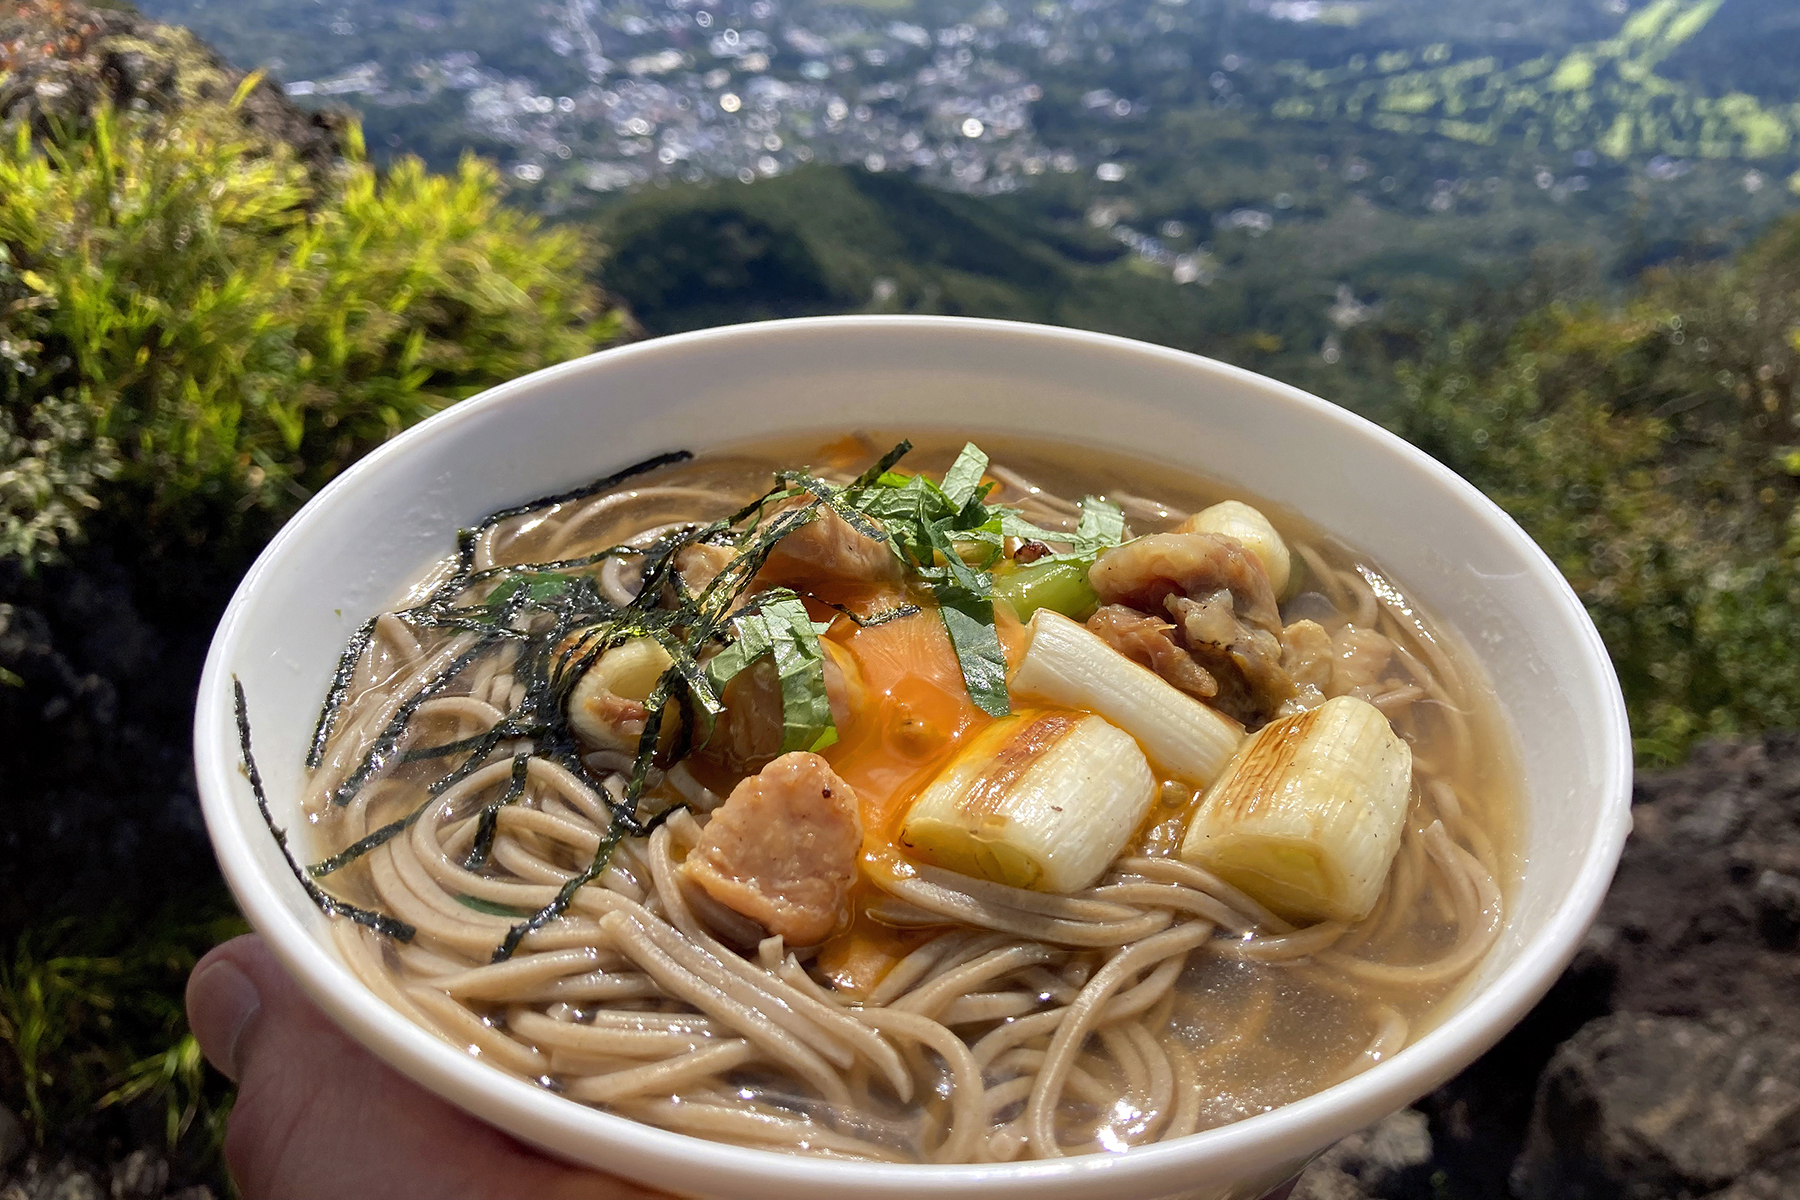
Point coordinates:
[(1574, 74), (1649, 450), (200, 327)]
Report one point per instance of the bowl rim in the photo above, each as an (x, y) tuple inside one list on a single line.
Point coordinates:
[(528, 1110)]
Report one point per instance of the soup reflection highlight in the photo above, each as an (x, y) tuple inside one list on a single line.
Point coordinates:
[(918, 807)]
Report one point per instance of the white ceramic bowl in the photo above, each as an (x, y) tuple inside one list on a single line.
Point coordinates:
[(351, 548)]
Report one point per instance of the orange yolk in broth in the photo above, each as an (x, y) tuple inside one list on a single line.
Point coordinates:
[(915, 713)]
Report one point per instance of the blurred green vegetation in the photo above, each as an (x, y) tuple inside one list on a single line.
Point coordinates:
[(91, 1013), (195, 325), (1650, 448)]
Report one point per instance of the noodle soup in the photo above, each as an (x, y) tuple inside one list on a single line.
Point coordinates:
[(949, 807)]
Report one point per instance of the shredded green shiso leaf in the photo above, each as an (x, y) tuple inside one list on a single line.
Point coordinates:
[(950, 538), (946, 536)]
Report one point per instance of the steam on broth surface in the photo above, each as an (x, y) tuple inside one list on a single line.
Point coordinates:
[(1040, 805)]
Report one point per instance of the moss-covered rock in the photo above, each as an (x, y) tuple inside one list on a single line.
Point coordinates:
[(210, 302), (61, 60)]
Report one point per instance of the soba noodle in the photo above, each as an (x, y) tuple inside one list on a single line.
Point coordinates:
[(1009, 1024)]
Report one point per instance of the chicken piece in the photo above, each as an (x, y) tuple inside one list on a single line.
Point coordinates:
[(1306, 654), (698, 563), (1150, 641), (1146, 572), (828, 546), (782, 850), (1244, 658), (1223, 609), (748, 733), (1359, 657)]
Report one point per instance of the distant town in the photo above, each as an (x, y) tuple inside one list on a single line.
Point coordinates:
[(706, 89), (697, 94), (1410, 107)]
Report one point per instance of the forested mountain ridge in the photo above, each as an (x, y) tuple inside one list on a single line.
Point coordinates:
[(1296, 172)]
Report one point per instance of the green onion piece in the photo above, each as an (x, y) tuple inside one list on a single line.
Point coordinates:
[(490, 907), (1060, 586)]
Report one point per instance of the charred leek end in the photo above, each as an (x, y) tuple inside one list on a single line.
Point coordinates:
[(606, 705), (1234, 519), (1068, 665), (1043, 801), (1309, 815)]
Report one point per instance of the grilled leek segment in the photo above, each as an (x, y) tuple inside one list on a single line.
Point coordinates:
[(1235, 519), (1043, 801), (606, 706), (1068, 665), (1309, 814)]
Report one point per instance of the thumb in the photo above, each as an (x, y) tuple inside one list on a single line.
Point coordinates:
[(318, 1116)]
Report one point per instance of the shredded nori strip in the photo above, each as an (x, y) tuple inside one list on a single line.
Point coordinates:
[(668, 459), (490, 907), (710, 610), (881, 467), (602, 853), (490, 815), (386, 833), (584, 624), (874, 619), (363, 845), (832, 498), (379, 922), (384, 745), (507, 729), (340, 689), (476, 760)]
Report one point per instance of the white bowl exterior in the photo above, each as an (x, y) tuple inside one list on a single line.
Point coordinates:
[(351, 549)]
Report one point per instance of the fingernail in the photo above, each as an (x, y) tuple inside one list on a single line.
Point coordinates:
[(223, 1004)]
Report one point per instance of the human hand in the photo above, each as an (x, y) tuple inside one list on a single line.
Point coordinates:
[(320, 1118)]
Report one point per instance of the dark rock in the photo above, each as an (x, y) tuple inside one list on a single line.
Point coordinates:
[(1391, 1161), (141, 1176), (60, 59), (1697, 922), (1647, 1108), (1478, 1119), (39, 1178), (13, 1142), (1764, 1185), (1702, 901), (98, 737), (1779, 896), (77, 1185)]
